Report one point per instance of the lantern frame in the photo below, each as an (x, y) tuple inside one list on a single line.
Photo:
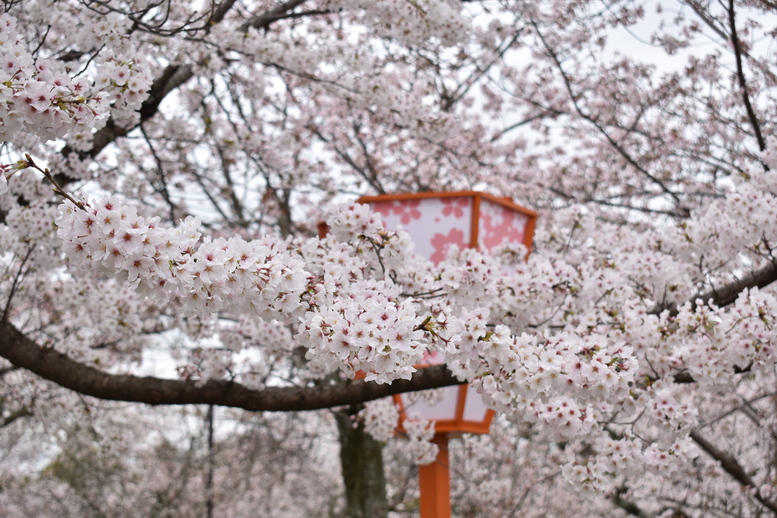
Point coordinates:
[(458, 425)]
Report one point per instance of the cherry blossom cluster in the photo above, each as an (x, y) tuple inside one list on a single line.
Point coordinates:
[(617, 456), (43, 97), (361, 320), (34, 222), (262, 277), (554, 379), (124, 79), (100, 313), (347, 322), (371, 329), (355, 317), (469, 278), (731, 232), (248, 332), (419, 436), (626, 455), (256, 349), (711, 344), (357, 323), (28, 234), (38, 97), (380, 418)]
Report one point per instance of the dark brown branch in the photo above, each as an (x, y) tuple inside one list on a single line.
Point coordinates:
[(175, 75), (628, 506), (742, 82), (731, 466), (725, 296), (264, 20), (57, 367), (728, 293), (13, 416), (685, 377), (172, 77)]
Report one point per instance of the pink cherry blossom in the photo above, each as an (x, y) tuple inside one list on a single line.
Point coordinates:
[(165, 167)]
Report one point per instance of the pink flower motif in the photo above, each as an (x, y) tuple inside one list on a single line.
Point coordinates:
[(381, 207), (407, 209), (442, 243), (511, 228), (454, 206)]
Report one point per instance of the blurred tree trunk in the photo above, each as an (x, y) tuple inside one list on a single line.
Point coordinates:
[(361, 458)]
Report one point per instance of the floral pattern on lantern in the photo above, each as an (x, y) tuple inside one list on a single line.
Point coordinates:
[(499, 223)]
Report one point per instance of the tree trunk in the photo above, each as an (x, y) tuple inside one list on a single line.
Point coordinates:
[(361, 458)]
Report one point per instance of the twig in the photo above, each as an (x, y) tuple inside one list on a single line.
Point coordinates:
[(731, 466), (30, 163)]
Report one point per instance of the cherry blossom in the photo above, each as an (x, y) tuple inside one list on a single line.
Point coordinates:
[(165, 165)]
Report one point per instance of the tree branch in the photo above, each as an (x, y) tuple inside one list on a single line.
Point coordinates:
[(54, 366), (728, 293), (742, 81), (174, 76), (731, 466), (264, 20), (13, 416), (628, 506), (57, 367)]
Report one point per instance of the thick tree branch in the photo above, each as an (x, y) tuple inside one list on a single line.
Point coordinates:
[(57, 367), (731, 466), (263, 21), (728, 293), (725, 296), (54, 366)]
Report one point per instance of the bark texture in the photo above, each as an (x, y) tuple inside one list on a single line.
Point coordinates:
[(361, 458), (62, 370)]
